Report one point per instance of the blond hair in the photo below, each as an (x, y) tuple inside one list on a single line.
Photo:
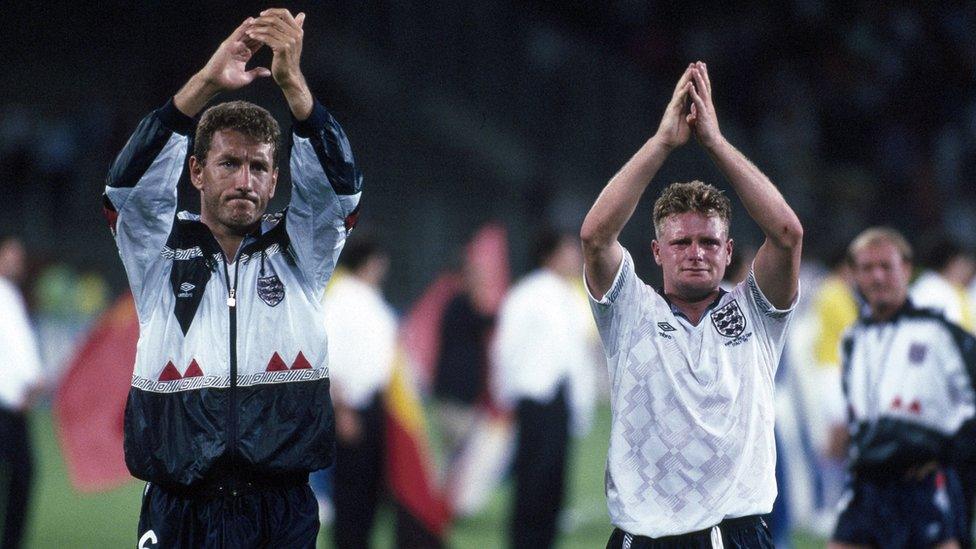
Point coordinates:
[(693, 196), (880, 235)]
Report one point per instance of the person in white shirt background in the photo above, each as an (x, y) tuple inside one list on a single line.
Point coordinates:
[(20, 374), (544, 356), (948, 271), (362, 330)]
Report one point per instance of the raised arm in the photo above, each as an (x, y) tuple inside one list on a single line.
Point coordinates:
[(777, 264), (618, 200), (326, 184), (283, 34)]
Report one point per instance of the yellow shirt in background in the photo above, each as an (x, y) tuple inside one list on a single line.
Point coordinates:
[(835, 309)]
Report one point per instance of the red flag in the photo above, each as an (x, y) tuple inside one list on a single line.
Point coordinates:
[(409, 465), (90, 403)]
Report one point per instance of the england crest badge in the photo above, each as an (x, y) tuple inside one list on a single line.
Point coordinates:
[(271, 290), (729, 320)]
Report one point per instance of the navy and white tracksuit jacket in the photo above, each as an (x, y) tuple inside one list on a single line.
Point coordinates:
[(232, 361), (908, 382)]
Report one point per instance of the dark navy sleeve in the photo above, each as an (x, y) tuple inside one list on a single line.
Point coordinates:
[(326, 187), (964, 444), (140, 191)]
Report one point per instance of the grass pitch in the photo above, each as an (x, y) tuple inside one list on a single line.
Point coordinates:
[(61, 517)]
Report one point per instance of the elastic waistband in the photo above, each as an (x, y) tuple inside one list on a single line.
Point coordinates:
[(728, 525), (236, 485)]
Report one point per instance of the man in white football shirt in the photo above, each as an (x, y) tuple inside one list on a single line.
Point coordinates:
[(692, 457)]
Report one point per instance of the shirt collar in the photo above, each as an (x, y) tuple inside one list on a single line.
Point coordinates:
[(906, 309), (677, 312)]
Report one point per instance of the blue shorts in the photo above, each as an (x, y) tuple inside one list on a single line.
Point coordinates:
[(285, 516), (902, 513)]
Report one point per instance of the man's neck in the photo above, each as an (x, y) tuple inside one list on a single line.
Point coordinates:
[(883, 313), (693, 309), (229, 245), (228, 239)]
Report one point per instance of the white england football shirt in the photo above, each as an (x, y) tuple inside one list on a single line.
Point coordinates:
[(691, 440)]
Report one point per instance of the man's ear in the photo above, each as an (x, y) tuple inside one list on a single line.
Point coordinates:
[(728, 246), (196, 173), (274, 183), (656, 250)]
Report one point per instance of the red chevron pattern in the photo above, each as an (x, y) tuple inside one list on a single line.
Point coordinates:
[(276, 364), (170, 373)]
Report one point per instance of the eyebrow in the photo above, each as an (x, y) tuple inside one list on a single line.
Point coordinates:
[(237, 158)]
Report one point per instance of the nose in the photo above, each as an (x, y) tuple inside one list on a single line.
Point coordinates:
[(243, 180), (695, 250)]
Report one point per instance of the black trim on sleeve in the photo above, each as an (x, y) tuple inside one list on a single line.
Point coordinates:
[(175, 120), (146, 143), (964, 442), (846, 349), (332, 150), (315, 122)]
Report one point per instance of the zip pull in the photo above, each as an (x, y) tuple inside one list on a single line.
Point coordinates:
[(231, 300)]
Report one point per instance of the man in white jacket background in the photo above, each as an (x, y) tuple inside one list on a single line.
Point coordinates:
[(543, 357)]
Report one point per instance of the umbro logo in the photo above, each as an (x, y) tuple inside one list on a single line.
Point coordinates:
[(665, 326), (186, 290)]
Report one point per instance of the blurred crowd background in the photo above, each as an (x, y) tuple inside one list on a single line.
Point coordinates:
[(860, 112), (513, 112)]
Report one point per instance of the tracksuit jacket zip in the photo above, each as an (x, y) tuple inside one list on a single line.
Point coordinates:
[(232, 423)]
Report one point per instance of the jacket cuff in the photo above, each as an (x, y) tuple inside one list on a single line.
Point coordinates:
[(175, 120), (314, 124)]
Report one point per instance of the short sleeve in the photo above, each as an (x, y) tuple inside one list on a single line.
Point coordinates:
[(613, 310), (775, 321)]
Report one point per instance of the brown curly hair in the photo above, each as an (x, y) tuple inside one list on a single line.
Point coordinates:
[(247, 118), (693, 196)]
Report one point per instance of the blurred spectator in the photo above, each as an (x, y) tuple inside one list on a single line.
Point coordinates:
[(19, 380), (543, 359), (65, 303), (835, 308), (462, 367), (362, 331), (948, 271)]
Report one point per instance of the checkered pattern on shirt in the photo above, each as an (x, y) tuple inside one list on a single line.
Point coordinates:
[(692, 435)]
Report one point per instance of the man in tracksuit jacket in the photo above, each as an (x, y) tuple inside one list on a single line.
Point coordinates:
[(908, 382), (229, 407)]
